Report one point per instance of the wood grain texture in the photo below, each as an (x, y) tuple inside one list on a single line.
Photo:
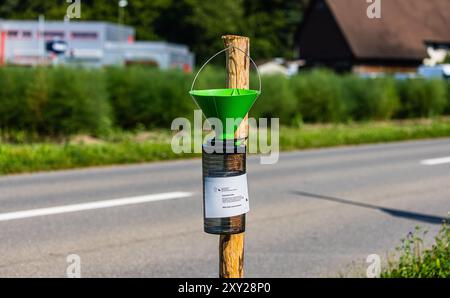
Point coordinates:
[(238, 71), (231, 252), (231, 247)]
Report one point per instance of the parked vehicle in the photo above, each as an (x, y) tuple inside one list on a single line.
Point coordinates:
[(435, 72)]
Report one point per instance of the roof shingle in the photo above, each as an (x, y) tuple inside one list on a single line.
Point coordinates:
[(401, 33)]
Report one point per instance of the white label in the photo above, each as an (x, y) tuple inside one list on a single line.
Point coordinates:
[(226, 196)]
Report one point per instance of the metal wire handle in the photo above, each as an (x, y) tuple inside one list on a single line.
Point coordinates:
[(220, 52)]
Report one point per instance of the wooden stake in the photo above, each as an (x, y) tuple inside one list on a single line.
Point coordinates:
[(231, 247), (231, 250), (238, 70)]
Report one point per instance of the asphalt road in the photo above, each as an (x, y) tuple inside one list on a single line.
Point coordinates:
[(314, 213)]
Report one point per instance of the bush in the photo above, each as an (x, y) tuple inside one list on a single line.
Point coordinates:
[(422, 98), (53, 102), (80, 107), (370, 99), (147, 97), (276, 101), (417, 263), (319, 96), (13, 105)]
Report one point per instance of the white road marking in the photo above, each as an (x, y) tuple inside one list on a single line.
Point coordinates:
[(93, 205), (435, 161)]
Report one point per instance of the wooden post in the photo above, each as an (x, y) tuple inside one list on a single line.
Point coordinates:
[(231, 247)]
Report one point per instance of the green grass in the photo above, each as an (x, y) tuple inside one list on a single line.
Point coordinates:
[(123, 148), (44, 157), (418, 262), (316, 136)]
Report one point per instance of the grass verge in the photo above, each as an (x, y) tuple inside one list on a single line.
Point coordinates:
[(123, 149), (316, 136)]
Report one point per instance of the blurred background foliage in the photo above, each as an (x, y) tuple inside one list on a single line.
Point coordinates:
[(271, 24), (94, 101)]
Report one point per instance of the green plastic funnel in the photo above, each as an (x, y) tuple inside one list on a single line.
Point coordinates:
[(225, 103)]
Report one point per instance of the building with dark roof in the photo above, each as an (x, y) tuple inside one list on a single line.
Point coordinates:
[(339, 34)]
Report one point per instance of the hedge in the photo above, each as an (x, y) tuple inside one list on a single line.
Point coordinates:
[(65, 101), (320, 97), (54, 101), (422, 98)]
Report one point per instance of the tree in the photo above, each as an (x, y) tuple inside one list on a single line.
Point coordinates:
[(271, 24), (31, 9), (200, 24)]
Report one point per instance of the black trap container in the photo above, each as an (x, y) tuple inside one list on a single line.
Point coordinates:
[(225, 190)]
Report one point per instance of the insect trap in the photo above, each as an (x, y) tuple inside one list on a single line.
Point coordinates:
[(225, 190)]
